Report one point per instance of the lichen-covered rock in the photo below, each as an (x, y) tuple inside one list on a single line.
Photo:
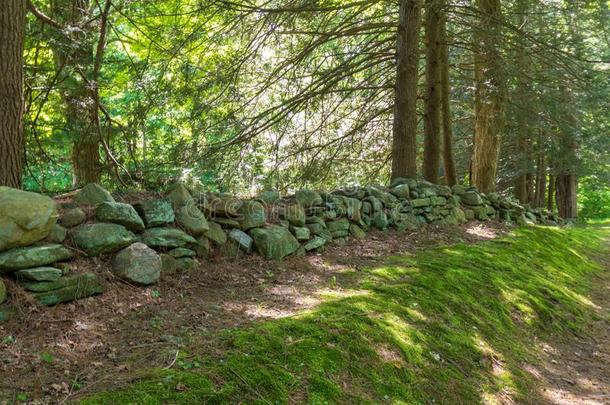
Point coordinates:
[(72, 217), (412, 183), (182, 252), (251, 215), (166, 238), (458, 214), (156, 212), (241, 239), (57, 235), (65, 289), (138, 264), (356, 231), (119, 213), (471, 198), (308, 198), (220, 205), (401, 191), (188, 216), (269, 196), (168, 264), (300, 233), (39, 274), (274, 242), (458, 189), (353, 209), (100, 238), (380, 221), (93, 194), (315, 243), (186, 263), (25, 218), (227, 223), (295, 214), (420, 202), (216, 234), (338, 225), (33, 256)]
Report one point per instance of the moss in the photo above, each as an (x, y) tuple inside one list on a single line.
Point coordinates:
[(455, 322)]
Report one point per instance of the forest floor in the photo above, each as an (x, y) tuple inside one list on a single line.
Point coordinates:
[(480, 312)]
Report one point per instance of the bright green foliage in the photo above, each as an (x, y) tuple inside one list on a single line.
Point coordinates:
[(594, 198), (455, 322)]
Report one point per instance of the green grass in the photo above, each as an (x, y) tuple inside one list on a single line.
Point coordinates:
[(447, 325)]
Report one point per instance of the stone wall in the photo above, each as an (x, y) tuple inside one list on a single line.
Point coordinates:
[(39, 237)]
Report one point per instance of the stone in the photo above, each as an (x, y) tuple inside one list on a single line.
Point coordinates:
[(221, 205), (356, 231), (227, 222), (242, 240), (72, 217), (93, 194), (269, 197), (25, 218), (202, 247), (252, 215), (186, 264), (39, 274), (353, 209), (480, 212), (66, 289), (137, 264), (458, 189), (182, 252), (338, 225), (99, 238), (308, 198), (316, 229), (300, 233), (406, 222), (169, 238), (469, 214), (458, 214), (330, 215), (274, 242), (380, 221), (412, 183), (420, 202), (168, 264), (57, 235), (375, 205), (33, 256), (437, 200), (191, 219), (471, 198), (119, 213), (156, 212), (216, 234), (2, 291), (315, 243), (339, 234), (326, 235), (295, 214), (401, 191), (180, 196)]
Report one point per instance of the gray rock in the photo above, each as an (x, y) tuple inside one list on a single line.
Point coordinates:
[(315, 243), (471, 198), (138, 264), (252, 215), (93, 194), (300, 233), (308, 198), (166, 238), (65, 289), (294, 213), (274, 242), (25, 218), (156, 212), (216, 234), (338, 225), (119, 213), (96, 239), (241, 239), (269, 196), (401, 191), (182, 252), (187, 214), (33, 256), (57, 235)]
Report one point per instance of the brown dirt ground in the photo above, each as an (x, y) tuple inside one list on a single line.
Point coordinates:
[(105, 341)]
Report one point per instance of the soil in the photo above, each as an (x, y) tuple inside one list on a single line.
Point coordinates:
[(58, 354)]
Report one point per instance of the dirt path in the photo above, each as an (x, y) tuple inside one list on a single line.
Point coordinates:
[(576, 368)]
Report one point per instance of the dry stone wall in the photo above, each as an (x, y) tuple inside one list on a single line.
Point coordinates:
[(39, 238)]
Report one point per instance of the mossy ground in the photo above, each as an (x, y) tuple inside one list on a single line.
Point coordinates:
[(446, 325)]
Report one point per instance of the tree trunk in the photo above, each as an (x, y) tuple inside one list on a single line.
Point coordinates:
[(450, 174), (551, 195), (12, 36), (540, 178), (566, 186), (432, 134), (75, 56), (489, 95), (404, 142)]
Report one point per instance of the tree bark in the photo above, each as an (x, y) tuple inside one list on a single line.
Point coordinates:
[(432, 134), (404, 141), (12, 36), (76, 55), (566, 186), (489, 95), (450, 174), (551, 194)]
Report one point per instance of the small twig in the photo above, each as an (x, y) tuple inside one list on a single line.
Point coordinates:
[(173, 361)]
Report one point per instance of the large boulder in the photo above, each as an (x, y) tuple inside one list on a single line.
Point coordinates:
[(156, 212), (138, 264), (251, 215), (96, 239), (471, 198), (33, 256), (93, 194), (274, 242), (120, 213), (72, 217), (188, 215), (294, 213), (166, 238), (65, 289), (216, 234), (25, 218)]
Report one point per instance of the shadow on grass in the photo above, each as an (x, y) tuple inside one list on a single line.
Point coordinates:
[(448, 325)]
